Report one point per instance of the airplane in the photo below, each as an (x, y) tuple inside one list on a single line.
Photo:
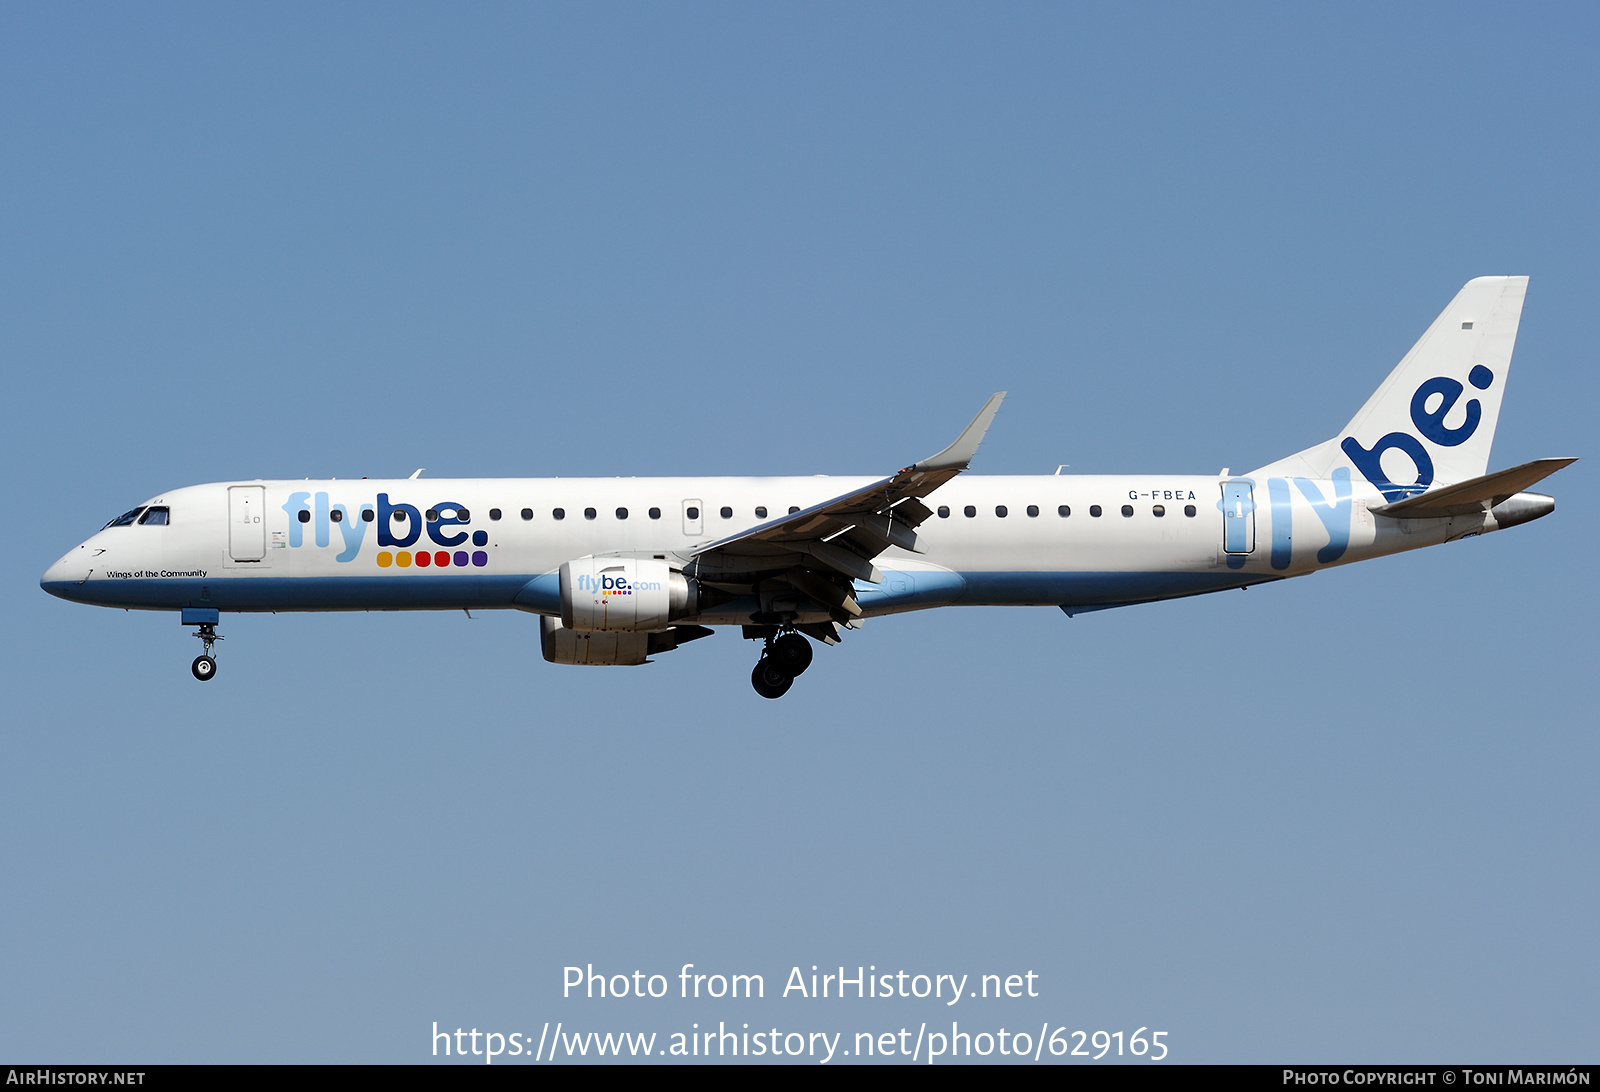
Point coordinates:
[(623, 569)]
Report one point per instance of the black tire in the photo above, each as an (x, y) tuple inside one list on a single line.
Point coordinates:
[(792, 653), (204, 668), (770, 680)]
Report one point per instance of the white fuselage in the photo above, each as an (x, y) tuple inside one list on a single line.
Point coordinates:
[(490, 543), (622, 568)]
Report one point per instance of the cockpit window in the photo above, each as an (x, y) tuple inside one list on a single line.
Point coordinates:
[(126, 518), (154, 516)]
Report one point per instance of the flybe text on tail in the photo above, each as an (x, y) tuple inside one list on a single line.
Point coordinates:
[(1432, 403)]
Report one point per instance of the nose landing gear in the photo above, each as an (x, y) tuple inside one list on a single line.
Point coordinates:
[(204, 667), (782, 659)]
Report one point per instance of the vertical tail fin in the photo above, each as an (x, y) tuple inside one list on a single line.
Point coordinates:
[(1433, 419)]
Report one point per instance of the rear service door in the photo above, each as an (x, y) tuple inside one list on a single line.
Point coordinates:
[(247, 528), (1238, 517)]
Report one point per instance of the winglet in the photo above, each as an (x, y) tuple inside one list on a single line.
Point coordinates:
[(960, 453)]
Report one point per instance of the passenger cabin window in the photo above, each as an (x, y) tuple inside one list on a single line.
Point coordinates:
[(1127, 509), (589, 513), (463, 515), (655, 513), (1094, 510), (691, 512), (793, 509), (558, 513), (337, 515), (154, 517), (126, 518), (527, 513), (761, 511), (305, 516), (1188, 510), (944, 511), (969, 511), (727, 513), (1064, 511), (399, 515), (494, 513), (368, 515), (432, 514), (1001, 510), (1159, 510), (1033, 510), (622, 513)]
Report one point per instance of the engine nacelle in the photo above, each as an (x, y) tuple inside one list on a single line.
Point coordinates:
[(561, 645), (624, 595)]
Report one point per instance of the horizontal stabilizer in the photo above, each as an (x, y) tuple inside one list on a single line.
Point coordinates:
[(1474, 495)]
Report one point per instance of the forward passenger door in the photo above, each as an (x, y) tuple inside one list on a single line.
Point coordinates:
[(247, 528)]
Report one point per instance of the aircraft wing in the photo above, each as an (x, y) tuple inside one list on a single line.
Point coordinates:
[(820, 550)]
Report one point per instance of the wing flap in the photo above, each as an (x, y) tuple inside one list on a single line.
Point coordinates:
[(845, 561)]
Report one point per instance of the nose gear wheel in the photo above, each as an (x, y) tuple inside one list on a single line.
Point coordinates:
[(204, 667)]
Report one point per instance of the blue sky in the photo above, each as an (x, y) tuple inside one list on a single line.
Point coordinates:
[(1348, 818)]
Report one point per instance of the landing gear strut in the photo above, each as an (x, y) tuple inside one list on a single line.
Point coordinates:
[(205, 666), (783, 658)]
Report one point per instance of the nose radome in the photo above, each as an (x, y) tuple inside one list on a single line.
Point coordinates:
[(54, 577), (68, 572)]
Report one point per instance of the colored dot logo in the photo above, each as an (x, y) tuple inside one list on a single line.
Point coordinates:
[(439, 559)]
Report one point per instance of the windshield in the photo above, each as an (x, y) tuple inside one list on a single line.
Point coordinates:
[(126, 518), (155, 516)]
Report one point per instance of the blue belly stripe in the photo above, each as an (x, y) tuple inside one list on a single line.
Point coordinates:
[(901, 590)]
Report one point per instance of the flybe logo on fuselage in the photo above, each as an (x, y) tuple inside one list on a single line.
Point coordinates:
[(399, 528), (1429, 422)]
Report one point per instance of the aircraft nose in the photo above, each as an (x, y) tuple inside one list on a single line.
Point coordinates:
[(67, 574)]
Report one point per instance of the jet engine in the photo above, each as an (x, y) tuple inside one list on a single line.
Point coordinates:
[(624, 595), (575, 646)]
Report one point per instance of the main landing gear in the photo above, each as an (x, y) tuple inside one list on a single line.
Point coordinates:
[(783, 658), (205, 666)]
